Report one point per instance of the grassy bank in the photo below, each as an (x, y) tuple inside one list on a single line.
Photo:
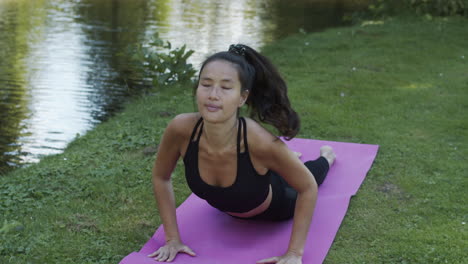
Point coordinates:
[(402, 84)]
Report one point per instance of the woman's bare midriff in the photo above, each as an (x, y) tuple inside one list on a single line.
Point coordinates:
[(257, 210)]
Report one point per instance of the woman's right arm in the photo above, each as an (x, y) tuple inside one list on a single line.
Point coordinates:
[(169, 151)]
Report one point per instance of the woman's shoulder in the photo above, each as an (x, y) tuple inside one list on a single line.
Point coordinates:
[(183, 124), (265, 149), (260, 140)]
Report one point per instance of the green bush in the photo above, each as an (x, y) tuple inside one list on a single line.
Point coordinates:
[(382, 8), (157, 64), (440, 7)]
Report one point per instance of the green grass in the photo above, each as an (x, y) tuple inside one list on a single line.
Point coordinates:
[(402, 85)]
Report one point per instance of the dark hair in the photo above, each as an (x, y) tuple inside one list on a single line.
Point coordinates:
[(268, 101)]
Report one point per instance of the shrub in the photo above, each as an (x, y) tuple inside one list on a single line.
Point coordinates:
[(381, 8), (440, 7), (156, 64)]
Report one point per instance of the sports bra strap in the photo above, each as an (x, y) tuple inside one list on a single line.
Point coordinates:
[(241, 124), (244, 125), (200, 132), (195, 130), (238, 137)]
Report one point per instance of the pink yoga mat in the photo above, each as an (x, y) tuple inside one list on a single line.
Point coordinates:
[(220, 239)]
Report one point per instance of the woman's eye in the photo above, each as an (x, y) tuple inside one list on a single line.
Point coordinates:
[(226, 88)]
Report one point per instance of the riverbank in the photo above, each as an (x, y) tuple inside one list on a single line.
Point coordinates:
[(401, 84)]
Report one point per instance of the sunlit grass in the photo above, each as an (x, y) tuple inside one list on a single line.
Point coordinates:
[(402, 85), (378, 84)]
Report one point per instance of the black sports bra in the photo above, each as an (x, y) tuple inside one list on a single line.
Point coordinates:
[(249, 189)]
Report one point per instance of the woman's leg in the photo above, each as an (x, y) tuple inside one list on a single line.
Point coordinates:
[(283, 202), (319, 167)]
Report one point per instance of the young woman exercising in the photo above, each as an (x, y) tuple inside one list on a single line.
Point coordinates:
[(234, 163)]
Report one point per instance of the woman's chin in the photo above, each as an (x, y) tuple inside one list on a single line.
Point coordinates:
[(212, 117)]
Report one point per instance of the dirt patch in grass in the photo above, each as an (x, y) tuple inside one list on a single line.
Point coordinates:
[(393, 190), (80, 222)]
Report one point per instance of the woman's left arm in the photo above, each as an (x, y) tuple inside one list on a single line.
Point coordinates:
[(284, 162)]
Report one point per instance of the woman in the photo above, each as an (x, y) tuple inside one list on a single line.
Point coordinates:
[(234, 163)]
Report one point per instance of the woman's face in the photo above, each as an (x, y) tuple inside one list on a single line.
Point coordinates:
[(219, 92)]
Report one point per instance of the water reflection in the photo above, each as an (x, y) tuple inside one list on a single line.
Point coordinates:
[(15, 34), (207, 26), (60, 72), (211, 25), (110, 27)]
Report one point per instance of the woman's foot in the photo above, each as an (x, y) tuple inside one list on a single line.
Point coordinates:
[(328, 153), (298, 154)]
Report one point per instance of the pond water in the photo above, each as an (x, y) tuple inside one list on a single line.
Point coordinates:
[(60, 73)]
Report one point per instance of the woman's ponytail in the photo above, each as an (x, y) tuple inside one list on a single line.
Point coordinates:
[(268, 99)]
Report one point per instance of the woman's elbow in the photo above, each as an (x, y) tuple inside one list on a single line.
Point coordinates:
[(310, 191)]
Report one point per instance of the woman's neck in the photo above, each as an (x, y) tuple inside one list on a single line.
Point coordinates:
[(218, 136)]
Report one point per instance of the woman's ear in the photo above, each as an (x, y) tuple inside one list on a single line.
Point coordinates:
[(244, 96)]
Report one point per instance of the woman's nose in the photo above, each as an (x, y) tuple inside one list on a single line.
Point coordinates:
[(213, 93)]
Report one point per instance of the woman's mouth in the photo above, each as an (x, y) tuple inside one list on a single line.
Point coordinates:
[(212, 107)]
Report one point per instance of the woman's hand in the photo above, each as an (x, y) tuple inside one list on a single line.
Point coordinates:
[(168, 252), (288, 258)]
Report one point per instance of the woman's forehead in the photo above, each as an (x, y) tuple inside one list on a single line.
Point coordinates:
[(220, 69)]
